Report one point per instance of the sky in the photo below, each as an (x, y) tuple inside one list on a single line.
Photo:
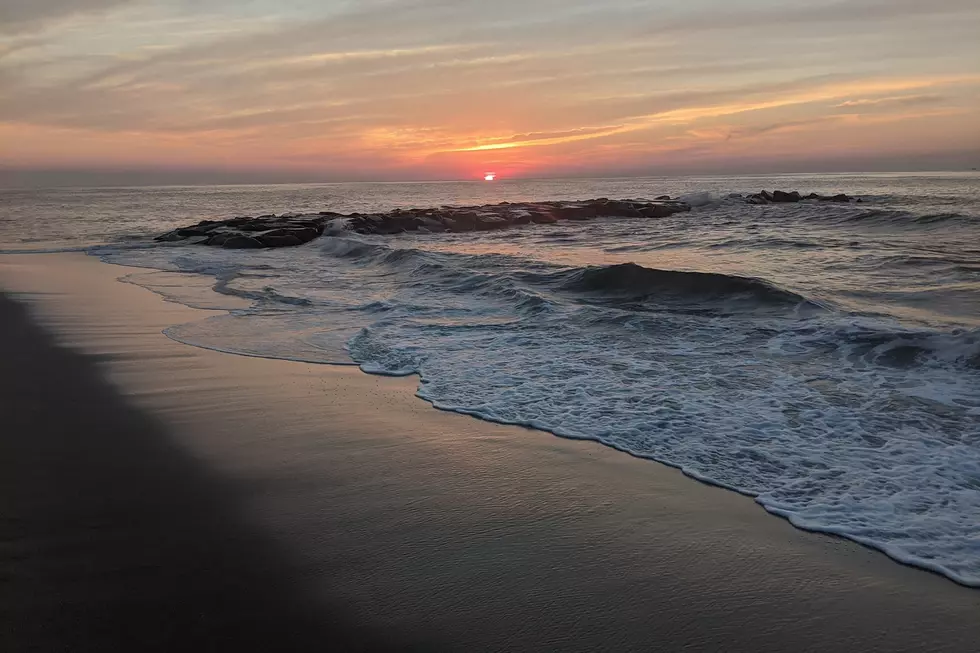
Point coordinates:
[(344, 90)]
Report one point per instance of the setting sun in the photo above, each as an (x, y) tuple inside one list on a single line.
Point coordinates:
[(490, 176)]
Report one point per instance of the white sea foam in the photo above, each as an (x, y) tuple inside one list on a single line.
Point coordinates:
[(701, 198)]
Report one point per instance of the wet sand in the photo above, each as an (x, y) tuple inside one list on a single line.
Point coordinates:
[(157, 496)]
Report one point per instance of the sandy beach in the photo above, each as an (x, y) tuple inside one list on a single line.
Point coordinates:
[(158, 496)]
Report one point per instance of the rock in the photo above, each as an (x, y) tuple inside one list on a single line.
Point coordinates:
[(170, 237), (575, 212), (217, 240), (491, 222), (290, 230), (238, 241), (454, 224), (277, 240), (432, 224), (196, 231), (305, 234), (520, 217), (614, 208), (657, 211), (258, 226), (783, 197), (542, 217), (841, 197), (663, 197)]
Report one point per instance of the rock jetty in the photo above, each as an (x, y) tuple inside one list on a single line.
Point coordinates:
[(784, 197), (292, 230)]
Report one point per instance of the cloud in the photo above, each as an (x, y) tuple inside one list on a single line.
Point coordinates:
[(852, 14), (887, 103), (420, 85), (27, 15)]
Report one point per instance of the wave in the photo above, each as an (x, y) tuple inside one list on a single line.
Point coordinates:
[(635, 282), (900, 348), (527, 283), (897, 218)]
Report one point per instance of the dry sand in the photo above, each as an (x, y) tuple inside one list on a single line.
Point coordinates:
[(157, 496)]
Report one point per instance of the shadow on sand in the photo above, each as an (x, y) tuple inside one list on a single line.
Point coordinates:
[(113, 539)]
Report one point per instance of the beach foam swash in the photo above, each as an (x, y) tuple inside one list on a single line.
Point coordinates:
[(832, 398)]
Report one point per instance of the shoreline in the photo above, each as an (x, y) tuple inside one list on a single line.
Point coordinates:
[(430, 526)]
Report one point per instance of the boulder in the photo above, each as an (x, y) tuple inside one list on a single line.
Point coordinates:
[(542, 217), (491, 222), (840, 197), (431, 224), (238, 241), (197, 230), (303, 234), (784, 197), (619, 209), (278, 240), (170, 237), (575, 212), (520, 217), (657, 211), (259, 226), (217, 240), (455, 224)]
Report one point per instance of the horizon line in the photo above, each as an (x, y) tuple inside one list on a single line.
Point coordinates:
[(480, 180)]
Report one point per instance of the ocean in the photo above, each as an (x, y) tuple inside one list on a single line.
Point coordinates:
[(822, 358)]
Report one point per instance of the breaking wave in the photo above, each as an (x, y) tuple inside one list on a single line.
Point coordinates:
[(632, 281)]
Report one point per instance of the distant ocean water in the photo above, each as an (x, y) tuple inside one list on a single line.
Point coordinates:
[(823, 358)]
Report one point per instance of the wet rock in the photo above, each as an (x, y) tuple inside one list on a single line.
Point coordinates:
[(290, 230), (217, 240), (491, 222), (196, 230), (576, 212), (432, 224), (656, 211), (456, 224), (239, 241), (840, 197), (277, 240), (170, 237), (520, 217), (542, 217), (784, 197), (616, 208)]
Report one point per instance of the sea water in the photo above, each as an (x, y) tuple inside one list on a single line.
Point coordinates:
[(822, 358)]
